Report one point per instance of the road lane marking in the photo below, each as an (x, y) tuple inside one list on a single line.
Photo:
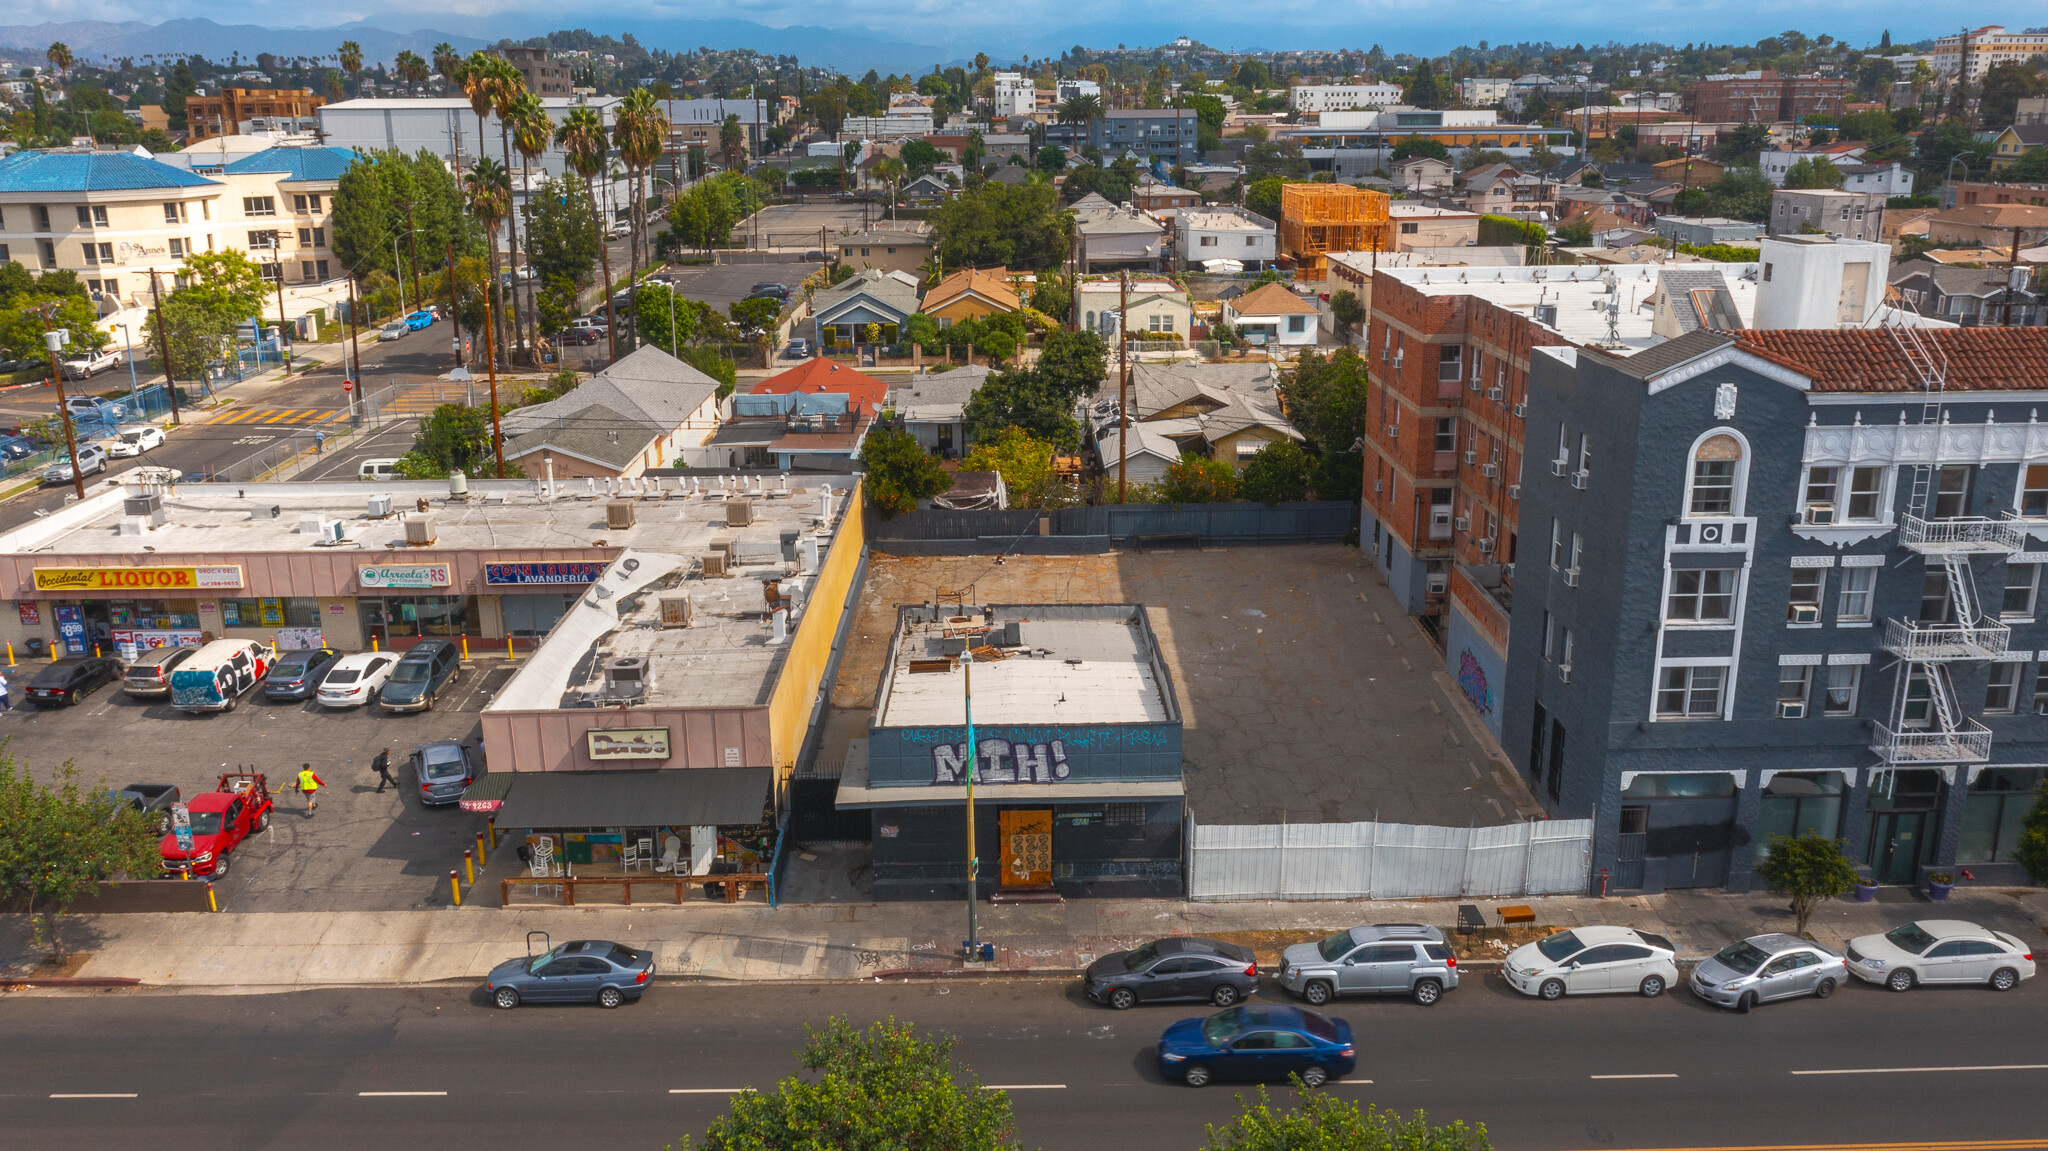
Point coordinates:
[(1974, 1145), (1652, 1075), (1023, 1087), (390, 1094), (708, 1090), (96, 1095), (1922, 1070)]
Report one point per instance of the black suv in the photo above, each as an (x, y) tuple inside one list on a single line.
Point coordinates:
[(778, 292), (422, 671)]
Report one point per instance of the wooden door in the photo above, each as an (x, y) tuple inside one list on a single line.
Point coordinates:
[(1027, 848)]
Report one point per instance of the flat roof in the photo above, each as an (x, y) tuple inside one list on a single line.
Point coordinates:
[(1072, 663), (726, 655), (1574, 289)]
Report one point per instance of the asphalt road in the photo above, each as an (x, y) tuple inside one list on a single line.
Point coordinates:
[(347, 1069)]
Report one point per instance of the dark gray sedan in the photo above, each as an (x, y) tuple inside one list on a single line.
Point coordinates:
[(444, 769), (1179, 968), (579, 971)]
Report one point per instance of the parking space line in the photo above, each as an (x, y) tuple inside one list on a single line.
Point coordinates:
[(708, 1090), (94, 1095), (391, 1094), (1650, 1075), (1922, 1070)]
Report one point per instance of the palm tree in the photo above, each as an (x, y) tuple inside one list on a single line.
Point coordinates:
[(531, 131), (412, 69), (640, 128), (732, 142), (508, 85), (60, 58), (475, 76), (489, 192), (582, 140), (448, 62), (352, 62)]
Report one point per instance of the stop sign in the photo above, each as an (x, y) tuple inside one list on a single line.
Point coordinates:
[(348, 387)]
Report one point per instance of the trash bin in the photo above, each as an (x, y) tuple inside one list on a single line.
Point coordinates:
[(33, 647)]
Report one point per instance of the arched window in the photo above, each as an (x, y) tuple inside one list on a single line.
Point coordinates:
[(1715, 487)]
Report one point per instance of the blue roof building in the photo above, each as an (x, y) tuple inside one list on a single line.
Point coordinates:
[(295, 165), (55, 172)]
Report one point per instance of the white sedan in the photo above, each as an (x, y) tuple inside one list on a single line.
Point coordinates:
[(135, 441), (395, 330), (354, 680), (1593, 961), (1941, 951)]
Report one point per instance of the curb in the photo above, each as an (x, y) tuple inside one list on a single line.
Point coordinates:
[(906, 973), (73, 981)]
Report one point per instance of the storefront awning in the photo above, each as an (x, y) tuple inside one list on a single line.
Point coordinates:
[(695, 797), (488, 792)]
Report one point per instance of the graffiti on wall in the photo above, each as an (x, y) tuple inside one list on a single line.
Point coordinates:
[(1472, 681), (1000, 761)]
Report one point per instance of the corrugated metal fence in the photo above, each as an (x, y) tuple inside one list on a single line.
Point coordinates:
[(1313, 521), (1388, 860)]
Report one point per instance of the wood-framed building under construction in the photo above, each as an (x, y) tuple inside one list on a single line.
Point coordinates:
[(1317, 219)]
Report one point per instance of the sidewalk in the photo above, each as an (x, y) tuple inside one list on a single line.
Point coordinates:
[(241, 953)]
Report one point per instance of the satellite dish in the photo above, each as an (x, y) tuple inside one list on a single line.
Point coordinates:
[(630, 564)]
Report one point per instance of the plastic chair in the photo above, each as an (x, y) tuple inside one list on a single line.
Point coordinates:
[(646, 853), (671, 850), (629, 855)]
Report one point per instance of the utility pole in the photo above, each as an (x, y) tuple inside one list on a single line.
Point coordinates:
[(400, 278), (2012, 276), (51, 339), (282, 346), (163, 339), (1123, 386), (973, 861), (356, 376), (455, 310)]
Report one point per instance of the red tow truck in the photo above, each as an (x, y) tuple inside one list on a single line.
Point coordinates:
[(220, 820)]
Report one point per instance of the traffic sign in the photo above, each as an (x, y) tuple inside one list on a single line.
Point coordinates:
[(348, 387)]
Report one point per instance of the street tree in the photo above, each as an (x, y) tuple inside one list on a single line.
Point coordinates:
[(25, 297), (755, 316), (1346, 308), (1023, 460), (581, 137), (1022, 399), (561, 231), (2032, 849), (1018, 227), (1326, 399), (1811, 869), (1320, 1121), (361, 226), (1812, 172), (920, 157), (61, 841), (452, 436), (732, 142), (1073, 364), (899, 472)]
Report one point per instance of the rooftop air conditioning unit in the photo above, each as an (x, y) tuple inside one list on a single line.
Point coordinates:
[(739, 514), (380, 507), (618, 515), (1805, 613), (1514, 491), (1791, 709), (1579, 478), (142, 505), (329, 531), (1821, 514), (1557, 467), (419, 531), (675, 611), (714, 565), (625, 679)]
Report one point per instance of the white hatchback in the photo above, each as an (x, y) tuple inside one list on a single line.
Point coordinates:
[(1593, 961), (1941, 951), (355, 680)]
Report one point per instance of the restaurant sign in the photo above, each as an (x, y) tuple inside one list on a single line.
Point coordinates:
[(629, 743), (405, 576), (545, 573), (137, 579)]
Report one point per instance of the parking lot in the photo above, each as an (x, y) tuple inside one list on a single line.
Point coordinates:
[(360, 852), (720, 285)]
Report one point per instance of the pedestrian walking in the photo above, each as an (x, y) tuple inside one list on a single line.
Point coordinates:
[(6, 695), (310, 785), (382, 766)]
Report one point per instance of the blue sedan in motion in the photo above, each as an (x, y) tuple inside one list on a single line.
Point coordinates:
[(579, 971), (1266, 1041)]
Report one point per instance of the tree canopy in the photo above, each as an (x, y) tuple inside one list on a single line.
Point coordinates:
[(899, 472), (62, 840), (1813, 172), (1326, 399), (1023, 399), (1014, 226), (1320, 1121)]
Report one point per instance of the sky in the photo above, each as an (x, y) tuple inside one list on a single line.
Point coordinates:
[(1040, 26)]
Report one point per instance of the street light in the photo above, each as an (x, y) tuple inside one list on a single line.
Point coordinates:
[(973, 864), (128, 343)]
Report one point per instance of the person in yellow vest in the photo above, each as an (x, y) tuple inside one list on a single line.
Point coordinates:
[(310, 784)]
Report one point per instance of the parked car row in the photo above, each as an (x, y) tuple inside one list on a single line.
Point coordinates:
[(215, 676)]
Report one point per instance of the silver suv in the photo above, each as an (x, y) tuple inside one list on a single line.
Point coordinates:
[(1382, 959)]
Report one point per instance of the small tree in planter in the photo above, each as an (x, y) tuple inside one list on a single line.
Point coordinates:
[(1811, 869)]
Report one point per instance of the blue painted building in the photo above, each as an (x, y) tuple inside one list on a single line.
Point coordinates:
[(1804, 597), (1076, 746), (1166, 135)]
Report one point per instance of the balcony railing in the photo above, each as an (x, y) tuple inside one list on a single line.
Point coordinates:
[(1969, 744), (1970, 534), (1940, 642)]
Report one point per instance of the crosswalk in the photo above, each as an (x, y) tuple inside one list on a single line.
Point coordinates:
[(418, 401), (274, 416)]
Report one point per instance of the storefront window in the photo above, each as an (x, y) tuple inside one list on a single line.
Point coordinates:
[(1992, 814), (413, 616), (153, 614), (1795, 803), (533, 615), (271, 611), (1687, 785)]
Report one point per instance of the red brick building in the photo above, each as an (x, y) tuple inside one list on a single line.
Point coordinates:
[(1765, 97)]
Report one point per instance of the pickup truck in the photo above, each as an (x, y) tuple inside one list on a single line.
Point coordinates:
[(151, 799), (221, 819), (90, 364)]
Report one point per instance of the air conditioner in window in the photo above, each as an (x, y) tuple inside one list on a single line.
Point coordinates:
[(1579, 478), (1514, 491), (1393, 431), (1494, 394), (1489, 470), (1464, 523), (1486, 545), (1805, 613), (1397, 361), (1571, 577), (1564, 673), (2041, 707), (1471, 457), (1820, 513), (1791, 709), (1557, 467), (1521, 410)]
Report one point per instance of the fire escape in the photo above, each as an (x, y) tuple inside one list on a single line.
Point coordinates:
[(1926, 725)]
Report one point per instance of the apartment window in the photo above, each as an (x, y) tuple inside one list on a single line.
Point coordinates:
[(2034, 491), (259, 206), (1866, 494), (305, 270), (1934, 598), (1842, 685), (2022, 584), (1446, 434), (1690, 693), (43, 218), (1701, 595), (273, 273), (1952, 492), (299, 205), (305, 237), (49, 253), (1794, 685), (1440, 513), (177, 248), (2002, 689), (92, 216), (1859, 587), (1549, 636), (1251, 241), (1450, 363), (3, 253), (1802, 602), (1585, 455), (1556, 544), (262, 241), (1409, 228), (1578, 545), (321, 266), (1823, 485), (171, 214), (1566, 655), (111, 287)]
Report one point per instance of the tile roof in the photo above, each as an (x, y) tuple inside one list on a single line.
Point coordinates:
[(1996, 216), (1271, 300), (827, 377), (296, 164), (62, 171), (1869, 360), (991, 284)]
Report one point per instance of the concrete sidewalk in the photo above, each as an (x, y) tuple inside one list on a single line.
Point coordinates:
[(240, 953)]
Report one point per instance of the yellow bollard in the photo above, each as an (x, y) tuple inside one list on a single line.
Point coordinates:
[(212, 904), (465, 649), (509, 653), (469, 868), (95, 651), (481, 859), (492, 823), (454, 888), (187, 873), (10, 655), (373, 641)]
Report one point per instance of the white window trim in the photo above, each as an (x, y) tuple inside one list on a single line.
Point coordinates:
[(1735, 603), (1738, 498), (1725, 663)]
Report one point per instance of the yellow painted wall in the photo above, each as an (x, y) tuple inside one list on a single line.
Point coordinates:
[(964, 307), (796, 689)]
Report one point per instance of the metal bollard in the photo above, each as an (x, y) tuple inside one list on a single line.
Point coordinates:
[(10, 655), (187, 873), (492, 824), (373, 642), (465, 649), (509, 653), (212, 904), (481, 859), (454, 888), (469, 868)]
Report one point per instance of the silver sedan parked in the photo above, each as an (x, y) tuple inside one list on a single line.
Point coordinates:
[(1766, 967), (1941, 951)]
